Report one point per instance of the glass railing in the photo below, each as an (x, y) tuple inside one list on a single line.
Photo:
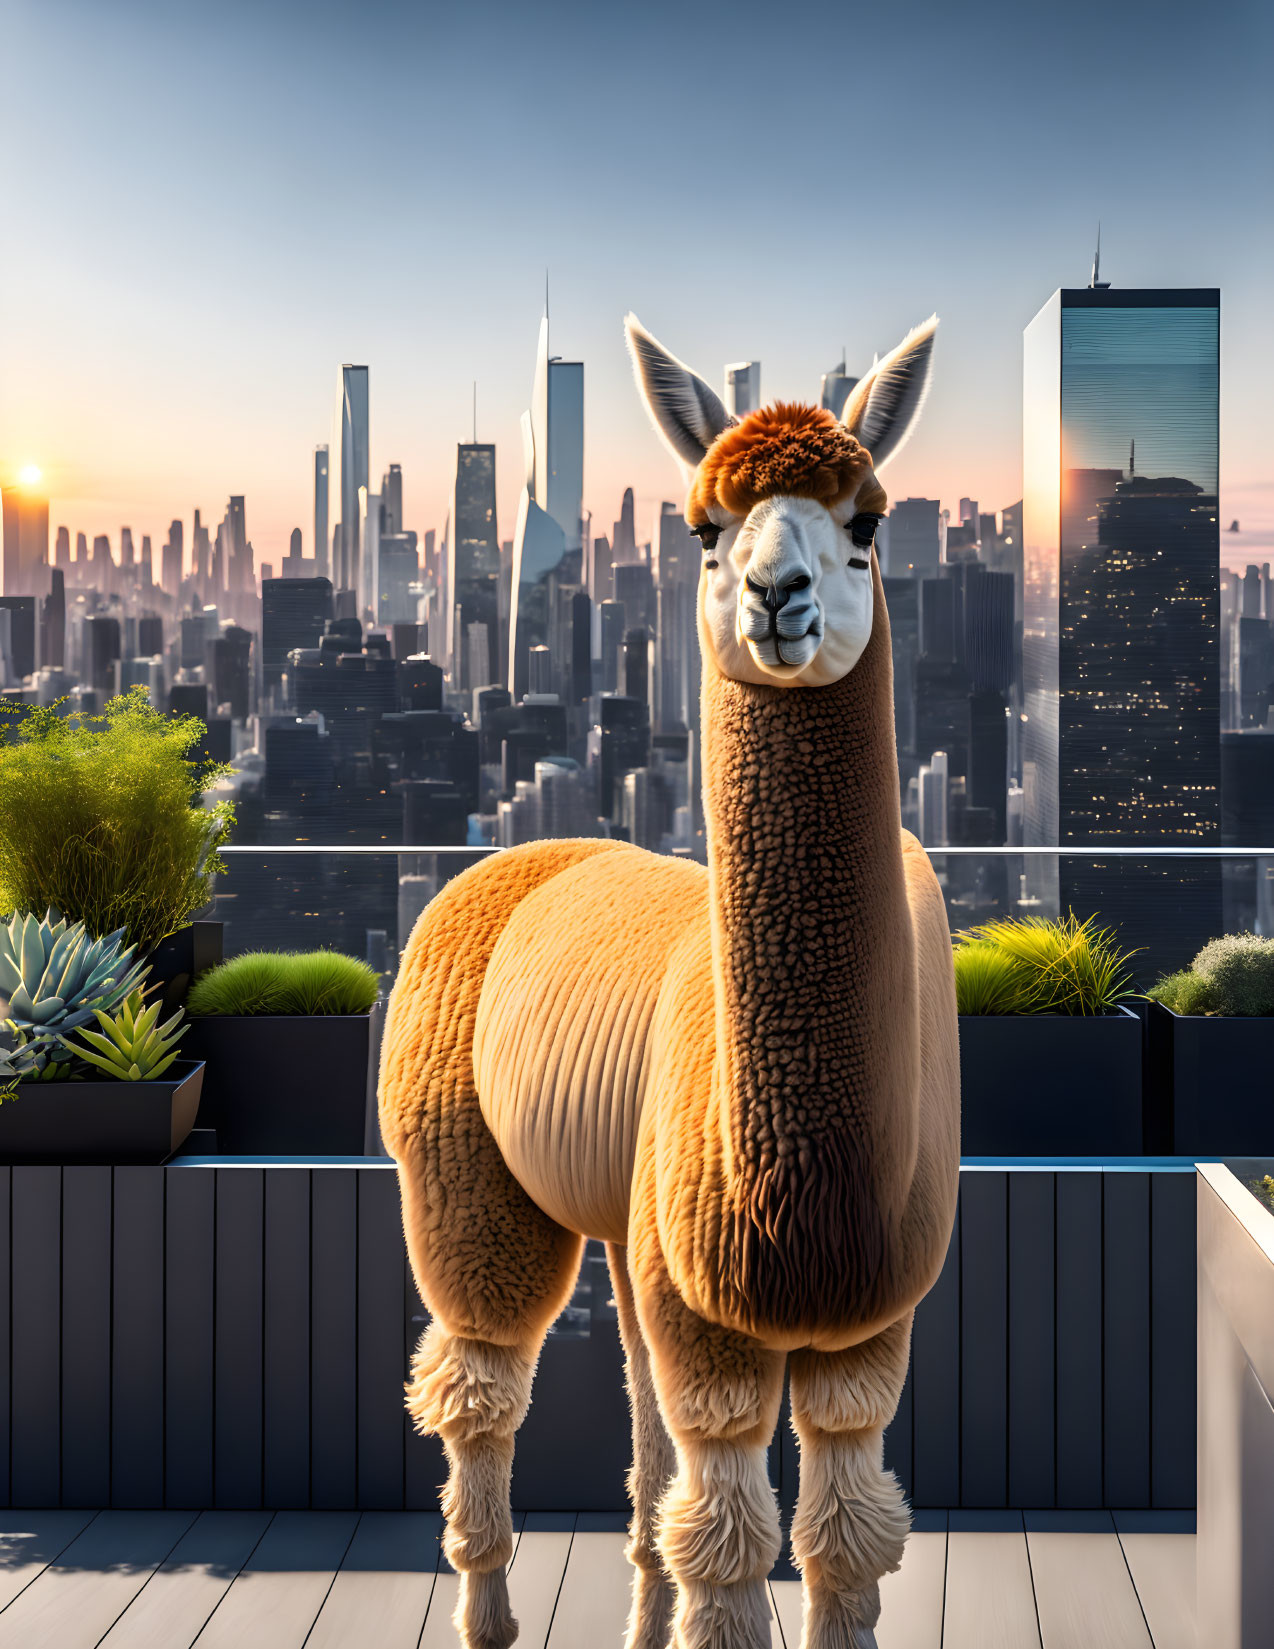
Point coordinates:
[(1164, 903)]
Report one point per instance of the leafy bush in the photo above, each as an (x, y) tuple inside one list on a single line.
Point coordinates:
[(1185, 992), (100, 817), (1063, 966), (1239, 971), (130, 1045), (285, 982)]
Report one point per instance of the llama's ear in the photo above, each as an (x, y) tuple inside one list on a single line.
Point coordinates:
[(883, 407), (686, 414)]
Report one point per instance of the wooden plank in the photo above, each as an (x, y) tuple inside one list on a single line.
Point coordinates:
[(35, 1330), (1172, 1339), (238, 1330), (170, 1610), (439, 1632), (1162, 1569), (1079, 1340), (785, 1608), (592, 1607), (1084, 1595), (6, 1185), (79, 1596), (380, 1374), (381, 1594), (935, 1373), (190, 1232), (86, 1324), (137, 1360), (333, 1320), (1031, 1331), (277, 1595), (285, 1409), (535, 1574), (983, 1339), (1126, 1312), (910, 1599), (990, 1602), (424, 1468), (29, 1542)]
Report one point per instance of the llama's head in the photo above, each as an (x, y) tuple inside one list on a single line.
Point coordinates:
[(785, 504)]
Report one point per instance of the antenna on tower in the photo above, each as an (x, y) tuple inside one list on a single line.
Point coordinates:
[(1096, 283), (1132, 457)]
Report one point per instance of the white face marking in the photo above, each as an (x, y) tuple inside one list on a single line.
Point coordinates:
[(783, 607)]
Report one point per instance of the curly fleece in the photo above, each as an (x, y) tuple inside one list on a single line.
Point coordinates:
[(790, 449)]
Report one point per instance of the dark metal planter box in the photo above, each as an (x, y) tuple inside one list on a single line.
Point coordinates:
[(1035, 1085), (101, 1122), (1215, 1076), (181, 958), (287, 1084)]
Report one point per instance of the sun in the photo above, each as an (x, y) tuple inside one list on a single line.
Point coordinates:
[(29, 474)]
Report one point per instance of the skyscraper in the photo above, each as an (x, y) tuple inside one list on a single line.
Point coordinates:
[(836, 388), (473, 564), (321, 539), (1121, 668), (742, 388), (350, 466), (915, 538), (26, 541), (170, 561), (547, 544)]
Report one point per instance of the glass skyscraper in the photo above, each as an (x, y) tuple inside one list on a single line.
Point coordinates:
[(1121, 660)]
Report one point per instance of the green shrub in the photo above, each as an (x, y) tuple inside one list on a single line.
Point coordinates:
[(289, 982), (100, 817), (1062, 966), (1239, 970), (1186, 992)]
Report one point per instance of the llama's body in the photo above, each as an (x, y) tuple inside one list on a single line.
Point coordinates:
[(744, 1080)]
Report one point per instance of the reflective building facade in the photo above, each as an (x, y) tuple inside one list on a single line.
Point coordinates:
[(349, 472), (1121, 661)]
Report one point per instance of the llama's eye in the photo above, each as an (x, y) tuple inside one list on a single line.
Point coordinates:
[(862, 530), (707, 534)]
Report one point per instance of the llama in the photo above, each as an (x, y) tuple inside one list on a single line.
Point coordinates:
[(743, 1079)]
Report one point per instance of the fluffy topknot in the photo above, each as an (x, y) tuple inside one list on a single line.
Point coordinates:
[(799, 451)]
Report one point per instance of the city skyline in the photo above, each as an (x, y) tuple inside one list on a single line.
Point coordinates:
[(174, 343)]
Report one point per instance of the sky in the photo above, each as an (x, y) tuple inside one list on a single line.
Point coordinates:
[(207, 207)]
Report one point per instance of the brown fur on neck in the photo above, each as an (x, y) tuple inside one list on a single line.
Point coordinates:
[(790, 449), (814, 969)]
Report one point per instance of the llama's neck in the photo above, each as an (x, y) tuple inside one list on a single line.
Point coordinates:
[(811, 940)]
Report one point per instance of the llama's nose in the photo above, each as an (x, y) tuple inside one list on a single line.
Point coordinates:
[(777, 592)]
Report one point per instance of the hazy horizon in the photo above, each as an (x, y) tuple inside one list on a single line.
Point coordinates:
[(207, 214)]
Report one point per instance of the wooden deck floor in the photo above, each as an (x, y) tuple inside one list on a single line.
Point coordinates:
[(338, 1580)]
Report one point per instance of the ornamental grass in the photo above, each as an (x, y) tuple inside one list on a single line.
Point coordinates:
[(1036, 964), (285, 982)]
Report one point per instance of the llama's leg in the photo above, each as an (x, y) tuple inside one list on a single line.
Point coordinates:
[(494, 1280), (650, 1622), (717, 1527), (851, 1519)]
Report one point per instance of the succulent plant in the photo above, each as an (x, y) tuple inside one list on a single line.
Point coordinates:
[(55, 977), (1239, 970), (131, 1046)]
